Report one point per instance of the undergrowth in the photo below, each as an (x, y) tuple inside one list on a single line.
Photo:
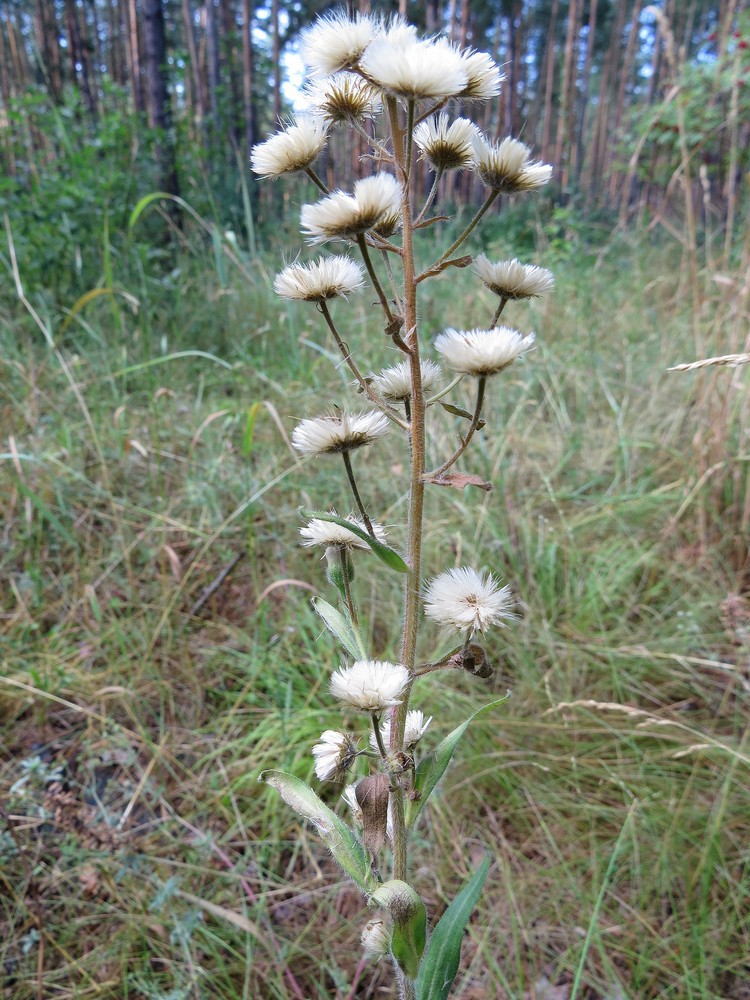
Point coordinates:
[(158, 648)]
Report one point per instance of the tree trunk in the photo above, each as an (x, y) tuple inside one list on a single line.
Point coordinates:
[(159, 109), (77, 56), (133, 52), (232, 98), (549, 82), (195, 72), (248, 75), (563, 118), (213, 66), (585, 89), (276, 61)]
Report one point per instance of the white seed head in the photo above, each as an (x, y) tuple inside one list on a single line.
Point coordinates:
[(336, 42), (332, 434), (484, 76), (507, 166), (464, 600), (292, 149), (349, 795), (394, 383), (324, 278), (446, 146), (370, 685), (510, 279), (482, 352), (416, 726), (397, 32), (317, 532), (343, 98), (376, 938), (415, 69), (341, 215), (333, 754)]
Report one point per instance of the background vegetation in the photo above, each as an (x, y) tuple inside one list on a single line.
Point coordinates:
[(158, 648)]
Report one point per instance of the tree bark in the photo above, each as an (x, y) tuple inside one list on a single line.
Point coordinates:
[(195, 72), (159, 108), (248, 75)]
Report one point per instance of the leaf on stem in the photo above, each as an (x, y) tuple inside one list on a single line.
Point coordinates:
[(440, 963), (458, 480), (432, 767), (459, 411), (341, 627), (452, 262), (343, 843), (372, 795), (389, 556)]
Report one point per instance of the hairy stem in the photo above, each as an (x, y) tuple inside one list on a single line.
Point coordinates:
[(416, 495), (498, 312), (355, 491), (362, 244), (481, 382), (345, 563), (362, 381), (431, 196), (378, 735)]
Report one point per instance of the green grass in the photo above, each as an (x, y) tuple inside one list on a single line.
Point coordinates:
[(140, 857)]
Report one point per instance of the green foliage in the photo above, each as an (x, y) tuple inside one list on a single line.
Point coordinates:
[(440, 963)]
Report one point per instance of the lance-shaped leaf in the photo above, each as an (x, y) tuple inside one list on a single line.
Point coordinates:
[(432, 767), (440, 963), (387, 555), (343, 843), (341, 627)]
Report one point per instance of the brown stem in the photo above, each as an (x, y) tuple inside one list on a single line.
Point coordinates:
[(498, 312), (362, 244), (316, 180), (464, 235)]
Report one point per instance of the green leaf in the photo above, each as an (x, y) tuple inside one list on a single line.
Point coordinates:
[(389, 556), (343, 843), (247, 437), (459, 411), (432, 767), (341, 628), (44, 510), (440, 964)]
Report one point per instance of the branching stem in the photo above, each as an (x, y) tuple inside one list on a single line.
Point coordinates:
[(355, 491), (362, 244), (464, 235), (481, 382)]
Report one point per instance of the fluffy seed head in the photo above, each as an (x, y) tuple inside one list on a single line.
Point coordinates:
[(370, 685), (482, 352), (484, 76), (416, 726), (446, 146), (466, 601), (343, 432), (333, 753), (336, 42), (341, 215), (394, 383), (317, 532), (415, 69), (324, 278), (292, 149), (376, 938), (349, 795), (343, 98), (507, 166), (510, 279)]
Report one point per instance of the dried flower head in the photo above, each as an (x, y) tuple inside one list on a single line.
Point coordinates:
[(415, 69), (510, 279), (343, 98), (333, 754), (341, 215), (482, 352), (292, 149), (416, 726), (466, 601), (344, 432), (484, 76), (507, 166), (324, 278), (446, 146), (317, 532), (336, 42), (349, 795), (376, 938), (394, 383), (370, 685)]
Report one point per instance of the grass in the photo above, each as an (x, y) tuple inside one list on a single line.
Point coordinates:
[(141, 859)]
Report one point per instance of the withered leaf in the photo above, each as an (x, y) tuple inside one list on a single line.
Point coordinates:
[(372, 796), (474, 660), (459, 480)]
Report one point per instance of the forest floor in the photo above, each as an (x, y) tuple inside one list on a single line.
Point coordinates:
[(159, 649)]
